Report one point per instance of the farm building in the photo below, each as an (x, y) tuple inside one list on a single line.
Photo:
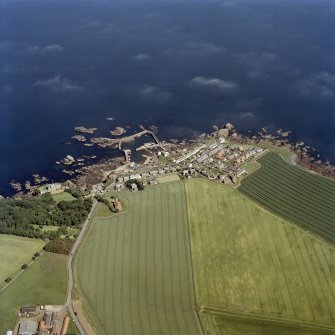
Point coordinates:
[(28, 327), (28, 309)]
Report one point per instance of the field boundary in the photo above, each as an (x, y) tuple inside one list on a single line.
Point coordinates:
[(85, 305), (259, 205), (266, 197), (14, 275), (197, 311), (213, 310), (258, 310), (295, 225)]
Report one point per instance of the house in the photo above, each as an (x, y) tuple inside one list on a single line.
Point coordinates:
[(28, 327), (226, 180), (240, 172), (118, 187), (133, 187), (51, 188), (185, 173), (117, 204)]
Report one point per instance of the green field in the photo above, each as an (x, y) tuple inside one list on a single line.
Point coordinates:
[(168, 179), (14, 252), (133, 269), (44, 282), (256, 273), (297, 195), (64, 196)]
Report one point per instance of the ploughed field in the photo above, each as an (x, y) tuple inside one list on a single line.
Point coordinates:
[(14, 252), (254, 272), (133, 269), (303, 198)]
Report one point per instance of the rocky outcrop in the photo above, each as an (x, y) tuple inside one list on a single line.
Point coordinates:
[(85, 130), (79, 138)]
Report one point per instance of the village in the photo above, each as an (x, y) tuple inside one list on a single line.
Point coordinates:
[(214, 157)]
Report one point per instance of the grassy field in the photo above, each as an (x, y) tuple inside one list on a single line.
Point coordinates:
[(168, 179), (102, 210), (44, 282), (252, 263), (133, 269), (64, 196), (297, 195), (284, 152), (14, 252)]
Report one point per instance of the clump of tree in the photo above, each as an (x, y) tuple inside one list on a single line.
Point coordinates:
[(109, 202), (75, 192), (60, 246), (139, 184), (28, 216)]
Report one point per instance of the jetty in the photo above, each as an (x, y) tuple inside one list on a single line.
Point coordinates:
[(131, 138)]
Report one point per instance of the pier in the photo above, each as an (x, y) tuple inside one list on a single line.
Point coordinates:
[(131, 138)]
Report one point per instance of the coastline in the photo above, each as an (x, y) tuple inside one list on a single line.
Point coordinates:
[(86, 175)]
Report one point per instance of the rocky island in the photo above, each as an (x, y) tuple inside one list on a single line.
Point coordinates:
[(118, 131), (79, 138), (85, 130)]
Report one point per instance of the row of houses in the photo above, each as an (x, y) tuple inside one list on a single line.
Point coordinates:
[(145, 175)]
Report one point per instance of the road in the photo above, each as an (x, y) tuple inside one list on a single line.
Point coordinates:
[(69, 303)]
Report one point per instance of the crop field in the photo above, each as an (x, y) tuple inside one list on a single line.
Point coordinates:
[(134, 268), (303, 198), (252, 266), (14, 252), (44, 282)]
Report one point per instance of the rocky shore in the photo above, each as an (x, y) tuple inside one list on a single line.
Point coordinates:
[(85, 174)]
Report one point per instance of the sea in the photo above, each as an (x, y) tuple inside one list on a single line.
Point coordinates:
[(181, 66)]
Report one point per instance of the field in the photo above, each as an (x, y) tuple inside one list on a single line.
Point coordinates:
[(64, 196), (14, 252), (44, 282), (168, 179), (256, 273), (297, 195), (134, 269)]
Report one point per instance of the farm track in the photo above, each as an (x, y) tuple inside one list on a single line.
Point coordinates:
[(257, 265), (297, 195), (134, 267)]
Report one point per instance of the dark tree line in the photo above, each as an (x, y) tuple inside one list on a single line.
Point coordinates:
[(60, 246), (28, 216)]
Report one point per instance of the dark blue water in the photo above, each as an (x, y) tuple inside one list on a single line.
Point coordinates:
[(182, 66)]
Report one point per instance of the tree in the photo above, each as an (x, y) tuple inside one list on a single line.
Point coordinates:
[(24, 266), (8, 280)]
